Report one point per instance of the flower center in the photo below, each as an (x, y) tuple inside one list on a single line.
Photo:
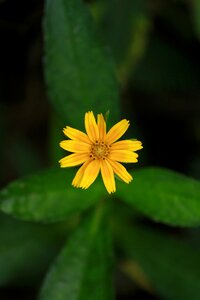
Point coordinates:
[(99, 150)]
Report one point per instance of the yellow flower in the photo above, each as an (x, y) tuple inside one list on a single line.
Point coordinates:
[(99, 151)]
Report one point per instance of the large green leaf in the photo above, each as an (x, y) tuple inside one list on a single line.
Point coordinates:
[(47, 196), (83, 269), (170, 261), (164, 196), (79, 72), (26, 250)]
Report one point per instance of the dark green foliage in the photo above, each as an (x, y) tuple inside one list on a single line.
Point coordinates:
[(164, 196), (155, 45), (170, 262), (80, 74), (47, 196), (26, 250), (84, 267)]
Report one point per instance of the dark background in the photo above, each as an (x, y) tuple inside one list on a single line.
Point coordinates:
[(160, 86)]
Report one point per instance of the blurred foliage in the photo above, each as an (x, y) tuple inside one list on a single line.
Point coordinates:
[(26, 249), (136, 58), (170, 262), (84, 265)]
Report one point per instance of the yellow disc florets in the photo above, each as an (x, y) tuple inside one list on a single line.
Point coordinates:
[(99, 150)]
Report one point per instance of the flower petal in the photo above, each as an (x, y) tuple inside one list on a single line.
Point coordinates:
[(90, 174), (120, 171), (91, 126), (73, 160), (79, 175), (76, 134), (117, 131), (102, 127), (125, 156), (75, 146), (108, 176), (127, 145)]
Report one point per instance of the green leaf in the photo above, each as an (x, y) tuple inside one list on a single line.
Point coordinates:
[(79, 72), (164, 196), (83, 269), (26, 250), (171, 262), (48, 196)]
